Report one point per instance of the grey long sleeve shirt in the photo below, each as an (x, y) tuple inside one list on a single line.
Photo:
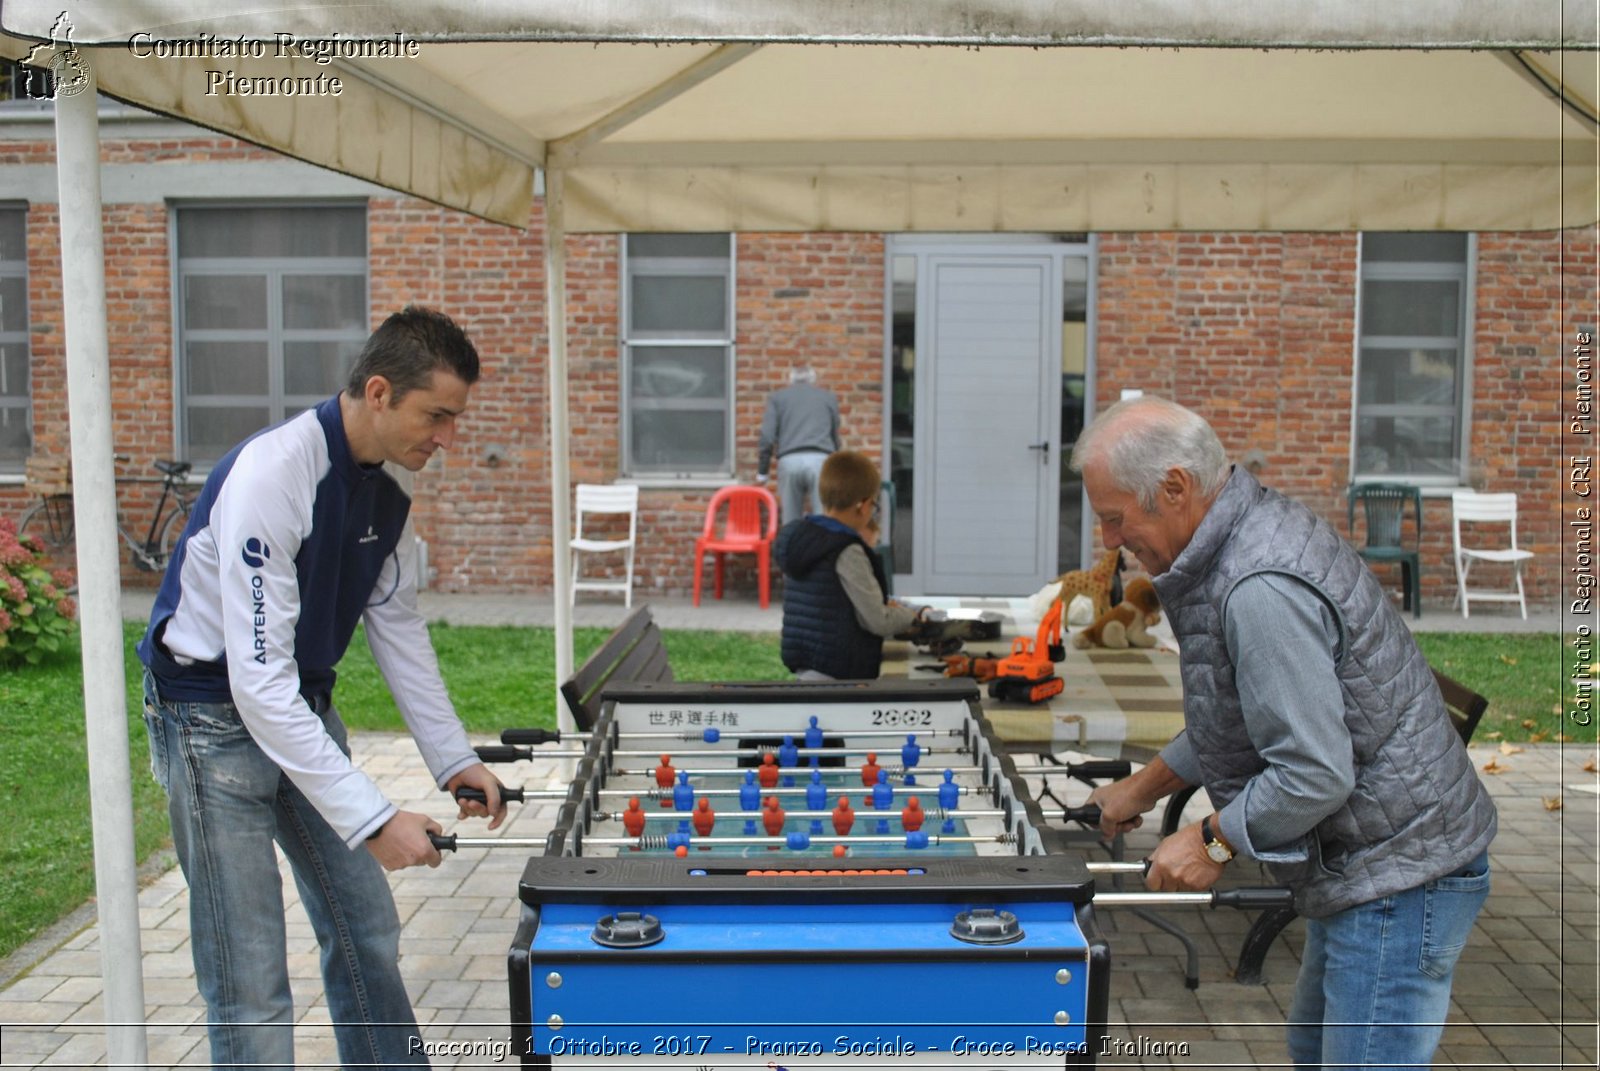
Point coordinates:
[(1284, 642), (877, 615), (801, 417)]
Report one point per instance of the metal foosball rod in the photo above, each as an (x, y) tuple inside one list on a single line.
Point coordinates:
[(660, 795), (758, 752), (500, 753), (790, 771), (1089, 813), (868, 813), (554, 736), (796, 841), (1248, 899)]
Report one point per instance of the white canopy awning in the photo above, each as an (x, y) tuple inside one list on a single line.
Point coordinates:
[(874, 115), (1338, 116)]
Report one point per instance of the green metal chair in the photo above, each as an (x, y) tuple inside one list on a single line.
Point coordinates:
[(1384, 505)]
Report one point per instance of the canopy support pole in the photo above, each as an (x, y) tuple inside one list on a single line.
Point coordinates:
[(83, 287), (555, 275)]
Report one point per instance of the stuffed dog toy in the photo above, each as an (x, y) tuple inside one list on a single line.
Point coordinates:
[(1124, 625)]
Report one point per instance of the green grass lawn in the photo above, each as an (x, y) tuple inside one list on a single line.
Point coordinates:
[(498, 677), (1523, 675), (47, 854), (501, 677), (505, 676)]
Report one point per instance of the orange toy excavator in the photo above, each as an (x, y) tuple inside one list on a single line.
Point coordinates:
[(1028, 675)]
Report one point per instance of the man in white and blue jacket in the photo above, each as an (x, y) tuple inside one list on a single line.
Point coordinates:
[(300, 533), (1316, 727)]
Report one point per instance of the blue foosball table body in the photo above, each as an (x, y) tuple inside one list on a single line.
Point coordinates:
[(978, 951)]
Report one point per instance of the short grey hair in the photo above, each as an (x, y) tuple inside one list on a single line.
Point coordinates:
[(803, 374), (1142, 439)]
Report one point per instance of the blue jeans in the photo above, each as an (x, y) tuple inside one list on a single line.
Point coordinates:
[(228, 804), (1374, 985)]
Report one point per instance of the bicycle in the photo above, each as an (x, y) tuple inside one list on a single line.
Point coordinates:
[(49, 522)]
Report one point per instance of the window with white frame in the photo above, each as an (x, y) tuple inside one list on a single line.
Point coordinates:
[(271, 315), (16, 407), (677, 355), (1414, 363)]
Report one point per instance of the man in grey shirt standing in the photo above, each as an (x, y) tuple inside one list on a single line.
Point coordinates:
[(1316, 727), (800, 426)]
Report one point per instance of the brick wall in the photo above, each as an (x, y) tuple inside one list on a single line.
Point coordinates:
[(812, 299), (139, 338), (1254, 330), (1257, 333)]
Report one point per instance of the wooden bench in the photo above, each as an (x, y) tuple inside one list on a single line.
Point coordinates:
[(633, 653), (1466, 707)]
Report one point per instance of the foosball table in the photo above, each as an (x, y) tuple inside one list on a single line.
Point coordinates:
[(851, 874)]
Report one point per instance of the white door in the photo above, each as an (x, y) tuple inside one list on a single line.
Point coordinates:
[(989, 389)]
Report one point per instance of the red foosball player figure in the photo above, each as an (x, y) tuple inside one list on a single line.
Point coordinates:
[(911, 818), (704, 817), (869, 771), (665, 774), (843, 817), (769, 773), (772, 817), (633, 818)]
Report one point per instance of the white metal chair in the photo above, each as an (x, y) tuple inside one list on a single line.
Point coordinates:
[(598, 499), (1472, 507)]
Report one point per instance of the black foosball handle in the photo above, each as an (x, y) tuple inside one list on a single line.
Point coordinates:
[(444, 842), (530, 736), (503, 753), (476, 795), (1100, 769), (1254, 899), (1088, 814)]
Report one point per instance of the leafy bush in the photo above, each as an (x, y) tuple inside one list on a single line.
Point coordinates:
[(36, 614)]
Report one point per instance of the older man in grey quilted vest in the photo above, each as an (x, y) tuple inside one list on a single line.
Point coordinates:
[(1315, 726)]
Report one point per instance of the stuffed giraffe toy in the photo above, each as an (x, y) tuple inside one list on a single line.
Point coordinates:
[(1093, 583)]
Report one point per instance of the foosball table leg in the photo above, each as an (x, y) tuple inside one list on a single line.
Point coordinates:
[(1253, 953), (1191, 973)]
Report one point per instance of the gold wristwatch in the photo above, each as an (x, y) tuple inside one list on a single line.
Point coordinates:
[(1218, 851)]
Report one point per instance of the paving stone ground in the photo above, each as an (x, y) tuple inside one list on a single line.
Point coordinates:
[(1525, 992)]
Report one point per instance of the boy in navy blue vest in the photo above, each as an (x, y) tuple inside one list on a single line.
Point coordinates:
[(835, 609)]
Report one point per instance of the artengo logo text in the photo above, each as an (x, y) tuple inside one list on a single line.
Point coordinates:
[(256, 554)]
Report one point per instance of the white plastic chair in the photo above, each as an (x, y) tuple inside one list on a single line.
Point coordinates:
[(1474, 508), (605, 499)]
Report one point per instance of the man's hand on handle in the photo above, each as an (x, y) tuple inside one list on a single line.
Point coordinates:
[(403, 841), (1122, 806), (1180, 863), (1123, 803), (478, 776)]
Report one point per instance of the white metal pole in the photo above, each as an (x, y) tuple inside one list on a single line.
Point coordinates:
[(105, 701), (555, 268)]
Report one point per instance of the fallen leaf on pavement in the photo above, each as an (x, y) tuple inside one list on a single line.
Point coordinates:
[(1509, 748), (1494, 767), (1552, 803)]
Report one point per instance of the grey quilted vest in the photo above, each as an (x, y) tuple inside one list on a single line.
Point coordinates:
[(1418, 810)]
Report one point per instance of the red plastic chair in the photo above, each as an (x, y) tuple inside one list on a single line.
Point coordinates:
[(743, 531)]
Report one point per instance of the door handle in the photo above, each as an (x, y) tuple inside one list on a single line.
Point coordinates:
[(1045, 446)]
